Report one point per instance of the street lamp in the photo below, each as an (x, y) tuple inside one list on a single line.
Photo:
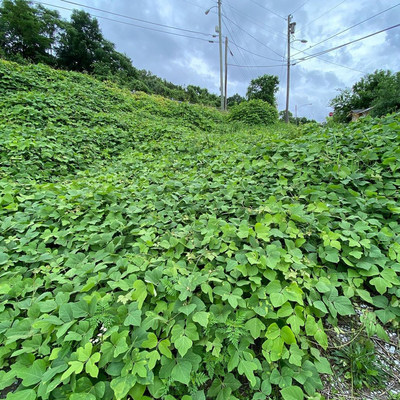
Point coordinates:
[(291, 29), (220, 53), (206, 12)]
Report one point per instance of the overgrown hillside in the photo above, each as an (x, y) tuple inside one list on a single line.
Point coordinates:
[(148, 249)]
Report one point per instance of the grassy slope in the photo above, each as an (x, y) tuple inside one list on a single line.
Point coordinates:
[(264, 231)]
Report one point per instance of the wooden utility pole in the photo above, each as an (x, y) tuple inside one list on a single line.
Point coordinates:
[(291, 28), (220, 56), (226, 75)]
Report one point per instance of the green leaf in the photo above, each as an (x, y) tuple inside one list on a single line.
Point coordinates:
[(133, 318), (140, 293), (287, 335), (343, 306), (332, 255), (320, 306), (91, 367), (255, 326), (188, 309), (33, 374), (292, 393), (84, 353), (183, 344), (273, 331), (380, 284), (181, 372), (277, 299), (201, 318), (151, 341), (122, 385), (26, 394), (82, 396), (248, 368), (163, 347), (75, 367)]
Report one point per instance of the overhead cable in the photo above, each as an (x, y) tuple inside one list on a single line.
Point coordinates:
[(323, 14), (262, 26), (350, 27), (255, 54), (253, 37), (136, 19), (345, 44), (128, 23), (269, 10), (301, 6), (256, 66)]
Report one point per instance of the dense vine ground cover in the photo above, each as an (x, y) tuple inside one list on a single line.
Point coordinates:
[(148, 249)]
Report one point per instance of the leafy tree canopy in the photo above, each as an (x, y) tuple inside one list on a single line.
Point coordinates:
[(235, 99), (380, 90), (28, 31), (263, 88)]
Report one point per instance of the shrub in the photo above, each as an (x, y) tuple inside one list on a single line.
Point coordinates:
[(254, 112)]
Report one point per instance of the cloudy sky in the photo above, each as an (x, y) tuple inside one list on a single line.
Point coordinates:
[(257, 32)]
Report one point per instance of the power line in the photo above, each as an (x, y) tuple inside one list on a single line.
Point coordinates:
[(253, 37), (256, 66), (128, 23), (298, 8), (269, 10), (231, 34), (136, 19), (345, 44), (338, 65), (263, 27), (351, 27), (255, 54), (323, 14)]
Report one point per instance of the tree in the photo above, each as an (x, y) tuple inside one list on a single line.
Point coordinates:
[(28, 31), (235, 99), (263, 88), (379, 90), (81, 43)]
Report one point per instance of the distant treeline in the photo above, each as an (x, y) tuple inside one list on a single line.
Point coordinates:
[(31, 33)]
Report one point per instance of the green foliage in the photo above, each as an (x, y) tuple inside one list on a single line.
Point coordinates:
[(27, 31), (254, 112), (357, 362), (148, 249), (380, 90), (235, 99), (34, 34), (295, 120), (263, 88)]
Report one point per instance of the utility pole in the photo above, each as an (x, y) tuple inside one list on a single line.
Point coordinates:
[(220, 56), (291, 28), (226, 74)]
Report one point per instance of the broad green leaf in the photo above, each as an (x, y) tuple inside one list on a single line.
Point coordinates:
[(183, 344), (255, 326), (273, 331), (33, 374), (287, 335), (122, 385), (247, 368), (292, 393), (163, 347), (201, 317), (380, 284), (26, 394), (151, 341), (181, 372), (343, 306), (133, 318)]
